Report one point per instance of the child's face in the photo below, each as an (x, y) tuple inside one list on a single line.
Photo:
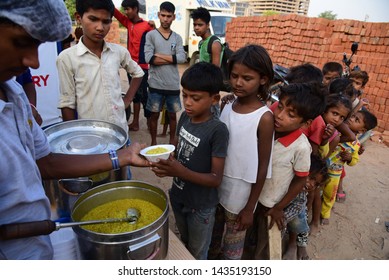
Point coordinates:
[(329, 76), (336, 115), (200, 27), (357, 83), (18, 51), (198, 104), (245, 81), (95, 25), (357, 123), (286, 118), (314, 181)]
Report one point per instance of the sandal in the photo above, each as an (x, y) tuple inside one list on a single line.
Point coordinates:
[(341, 197)]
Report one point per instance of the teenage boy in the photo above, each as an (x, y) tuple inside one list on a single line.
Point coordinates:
[(201, 18), (25, 151), (89, 71), (298, 105), (137, 29), (163, 50), (201, 147)]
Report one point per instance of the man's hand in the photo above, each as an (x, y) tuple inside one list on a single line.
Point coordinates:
[(131, 155), (152, 23)]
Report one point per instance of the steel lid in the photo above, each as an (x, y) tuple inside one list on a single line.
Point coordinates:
[(85, 136)]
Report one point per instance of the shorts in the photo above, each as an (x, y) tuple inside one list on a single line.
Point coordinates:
[(155, 102), (299, 224), (141, 93)]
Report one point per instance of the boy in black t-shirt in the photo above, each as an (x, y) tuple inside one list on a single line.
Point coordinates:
[(201, 147)]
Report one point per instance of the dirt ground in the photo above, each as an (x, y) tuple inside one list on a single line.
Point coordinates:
[(357, 226)]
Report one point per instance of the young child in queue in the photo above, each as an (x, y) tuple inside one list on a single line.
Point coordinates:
[(337, 110), (343, 86), (296, 215), (201, 148), (352, 89), (250, 123), (344, 153), (299, 104), (360, 79), (331, 70), (326, 135), (306, 73)]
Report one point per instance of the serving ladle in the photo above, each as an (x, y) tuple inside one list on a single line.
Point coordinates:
[(22, 230)]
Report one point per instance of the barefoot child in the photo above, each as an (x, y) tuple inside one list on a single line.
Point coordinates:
[(201, 141), (299, 104), (251, 126), (347, 152), (296, 215)]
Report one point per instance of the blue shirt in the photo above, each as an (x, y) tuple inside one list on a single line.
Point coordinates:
[(22, 197)]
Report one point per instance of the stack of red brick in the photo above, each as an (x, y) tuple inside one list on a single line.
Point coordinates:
[(293, 39)]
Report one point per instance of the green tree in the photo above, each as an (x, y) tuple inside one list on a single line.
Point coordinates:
[(270, 13), (328, 15), (71, 6)]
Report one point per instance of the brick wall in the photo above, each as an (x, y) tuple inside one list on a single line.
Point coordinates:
[(293, 39)]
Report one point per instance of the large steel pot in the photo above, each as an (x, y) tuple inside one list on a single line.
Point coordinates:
[(84, 137), (150, 242)]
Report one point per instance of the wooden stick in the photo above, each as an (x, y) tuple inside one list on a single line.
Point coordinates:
[(275, 242)]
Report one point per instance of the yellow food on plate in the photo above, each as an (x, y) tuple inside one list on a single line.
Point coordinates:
[(118, 209), (157, 151)]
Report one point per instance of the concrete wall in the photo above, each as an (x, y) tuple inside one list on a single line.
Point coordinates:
[(292, 40)]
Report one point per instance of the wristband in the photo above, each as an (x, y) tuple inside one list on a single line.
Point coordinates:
[(115, 160)]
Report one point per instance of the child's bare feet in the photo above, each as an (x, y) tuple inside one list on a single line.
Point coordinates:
[(162, 135), (314, 229), (324, 221), (133, 127), (302, 253), (290, 254)]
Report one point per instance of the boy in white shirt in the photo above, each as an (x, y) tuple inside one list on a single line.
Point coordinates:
[(89, 71), (299, 104)]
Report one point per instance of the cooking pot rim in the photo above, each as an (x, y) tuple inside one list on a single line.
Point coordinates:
[(109, 187)]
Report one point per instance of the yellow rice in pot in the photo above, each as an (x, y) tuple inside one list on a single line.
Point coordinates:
[(118, 209)]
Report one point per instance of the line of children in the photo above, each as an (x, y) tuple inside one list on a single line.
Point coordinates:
[(298, 105), (237, 231), (346, 152)]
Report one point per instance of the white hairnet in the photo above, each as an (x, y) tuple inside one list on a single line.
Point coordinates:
[(44, 20)]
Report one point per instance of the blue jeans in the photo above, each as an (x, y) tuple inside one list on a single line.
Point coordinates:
[(195, 227), (155, 102), (299, 224)]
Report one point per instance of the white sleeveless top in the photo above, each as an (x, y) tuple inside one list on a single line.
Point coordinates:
[(241, 165)]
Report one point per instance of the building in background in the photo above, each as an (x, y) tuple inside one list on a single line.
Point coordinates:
[(241, 9), (258, 7)]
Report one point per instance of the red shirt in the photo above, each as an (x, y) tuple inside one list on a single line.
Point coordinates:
[(136, 37), (314, 132)]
